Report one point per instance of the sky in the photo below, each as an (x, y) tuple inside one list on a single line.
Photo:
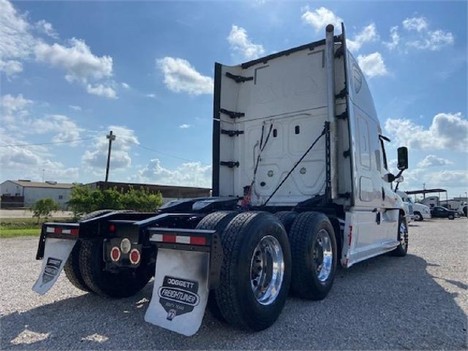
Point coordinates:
[(71, 71)]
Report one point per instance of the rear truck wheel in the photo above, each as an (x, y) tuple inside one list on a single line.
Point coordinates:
[(216, 221), (402, 249), (124, 283), (72, 269), (418, 217), (256, 271), (286, 218), (314, 255)]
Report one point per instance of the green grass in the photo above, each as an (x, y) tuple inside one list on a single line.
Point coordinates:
[(17, 227), (13, 233)]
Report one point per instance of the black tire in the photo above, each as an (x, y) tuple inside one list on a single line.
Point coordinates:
[(465, 210), (418, 217), (286, 218), (402, 249), (243, 264), (125, 283), (217, 221), (312, 275), (451, 216), (72, 269)]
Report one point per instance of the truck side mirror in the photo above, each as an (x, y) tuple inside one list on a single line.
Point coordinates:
[(402, 158)]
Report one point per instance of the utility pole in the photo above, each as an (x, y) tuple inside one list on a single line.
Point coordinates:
[(111, 138)]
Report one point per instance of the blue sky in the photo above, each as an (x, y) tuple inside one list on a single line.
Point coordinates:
[(73, 71)]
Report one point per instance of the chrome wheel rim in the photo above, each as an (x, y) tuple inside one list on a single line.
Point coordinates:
[(267, 270), (322, 255), (403, 235)]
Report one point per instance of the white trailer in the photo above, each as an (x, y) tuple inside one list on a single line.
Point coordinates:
[(300, 184)]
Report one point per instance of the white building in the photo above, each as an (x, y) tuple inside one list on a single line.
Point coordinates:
[(28, 192)]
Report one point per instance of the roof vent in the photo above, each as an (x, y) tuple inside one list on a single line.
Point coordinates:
[(24, 180), (51, 182)]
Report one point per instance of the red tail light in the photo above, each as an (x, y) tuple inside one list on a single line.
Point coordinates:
[(134, 256), (115, 254)]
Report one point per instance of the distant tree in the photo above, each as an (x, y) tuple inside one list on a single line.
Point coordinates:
[(43, 208), (141, 200), (83, 200)]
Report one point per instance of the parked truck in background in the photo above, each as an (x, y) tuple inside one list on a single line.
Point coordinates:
[(420, 211), (456, 205), (300, 184)]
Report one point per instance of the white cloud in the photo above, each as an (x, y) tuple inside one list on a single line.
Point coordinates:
[(372, 65), (125, 85), (78, 61), (101, 90), (320, 18), (151, 96), (415, 23), (74, 107), (46, 28), (447, 131), (67, 130), (181, 76), (433, 40), (433, 161), (368, 34), (31, 161), (184, 126), (18, 44), (418, 35), (95, 158), (187, 174), (11, 67), (449, 178), (395, 39), (11, 104), (240, 42), (16, 119), (15, 40)]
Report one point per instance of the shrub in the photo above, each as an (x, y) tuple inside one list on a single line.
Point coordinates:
[(43, 208), (84, 200)]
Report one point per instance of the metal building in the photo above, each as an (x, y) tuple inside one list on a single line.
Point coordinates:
[(25, 193)]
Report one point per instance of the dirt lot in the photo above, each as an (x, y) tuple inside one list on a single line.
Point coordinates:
[(416, 302)]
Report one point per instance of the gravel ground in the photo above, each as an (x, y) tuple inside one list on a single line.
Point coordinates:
[(416, 302)]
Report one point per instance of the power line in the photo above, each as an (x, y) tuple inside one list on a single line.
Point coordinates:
[(165, 154), (49, 143)]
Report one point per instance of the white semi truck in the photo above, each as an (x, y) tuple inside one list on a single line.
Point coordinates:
[(300, 184), (419, 211)]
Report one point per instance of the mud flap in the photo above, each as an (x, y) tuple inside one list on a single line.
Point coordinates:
[(180, 291), (55, 255)]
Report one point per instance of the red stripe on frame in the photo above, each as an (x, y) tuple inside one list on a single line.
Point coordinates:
[(169, 238), (57, 230), (197, 240)]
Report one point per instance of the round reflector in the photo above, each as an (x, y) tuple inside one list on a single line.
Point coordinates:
[(115, 254), (134, 256), (125, 246)]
